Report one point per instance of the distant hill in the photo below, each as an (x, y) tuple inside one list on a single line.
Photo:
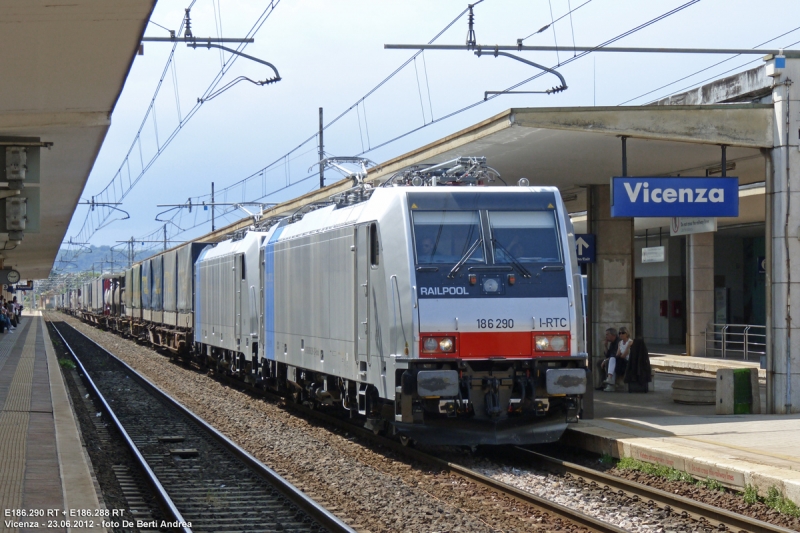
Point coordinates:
[(98, 258)]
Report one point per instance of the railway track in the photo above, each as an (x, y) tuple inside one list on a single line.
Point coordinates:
[(708, 516), (202, 480), (696, 515), (720, 519)]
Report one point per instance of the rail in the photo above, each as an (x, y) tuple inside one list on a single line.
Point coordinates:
[(324, 517), (697, 510), (725, 520), (165, 502), (737, 340)]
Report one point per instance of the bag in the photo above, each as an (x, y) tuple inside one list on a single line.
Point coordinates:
[(635, 386), (622, 366)]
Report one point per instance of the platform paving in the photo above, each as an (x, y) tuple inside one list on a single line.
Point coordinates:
[(43, 465), (736, 450)]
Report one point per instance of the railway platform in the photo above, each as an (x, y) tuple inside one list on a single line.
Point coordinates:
[(736, 450), (673, 360), (44, 470)]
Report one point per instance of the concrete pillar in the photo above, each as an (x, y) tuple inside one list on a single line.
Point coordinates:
[(783, 250), (611, 277), (699, 291)]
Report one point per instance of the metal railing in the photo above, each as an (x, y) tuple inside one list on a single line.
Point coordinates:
[(743, 341)]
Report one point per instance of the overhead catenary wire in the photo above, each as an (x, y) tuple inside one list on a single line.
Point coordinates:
[(552, 25), (89, 228), (427, 84), (715, 65), (362, 100), (87, 231), (535, 76), (419, 91), (218, 27), (571, 26), (544, 28), (160, 26), (360, 103)]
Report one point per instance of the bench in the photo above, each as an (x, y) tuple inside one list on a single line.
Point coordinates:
[(621, 386)]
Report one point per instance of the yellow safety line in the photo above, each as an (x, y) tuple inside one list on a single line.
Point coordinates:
[(14, 420)]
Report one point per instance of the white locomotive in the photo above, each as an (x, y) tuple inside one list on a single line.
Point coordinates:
[(441, 312)]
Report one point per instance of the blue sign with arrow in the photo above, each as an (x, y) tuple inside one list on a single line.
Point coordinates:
[(674, 197), (585, 244)]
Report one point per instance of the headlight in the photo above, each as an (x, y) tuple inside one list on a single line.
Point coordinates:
[(551, 343), (542, 343), (491, 285), (429, 345), (438, 345), (558, 343)]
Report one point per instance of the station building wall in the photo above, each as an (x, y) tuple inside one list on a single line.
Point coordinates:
[(658, 282), (736, 269)]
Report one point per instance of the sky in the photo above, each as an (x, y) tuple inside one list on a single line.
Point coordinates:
[(330, 54)]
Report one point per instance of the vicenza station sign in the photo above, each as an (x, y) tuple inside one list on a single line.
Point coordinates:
[(674, 197)]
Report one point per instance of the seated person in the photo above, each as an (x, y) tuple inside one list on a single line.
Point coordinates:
[(609, 350), (425, 250), (10, 314), (5, 323), (618, 362)]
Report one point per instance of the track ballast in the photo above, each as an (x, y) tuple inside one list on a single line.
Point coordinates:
[(209, 480)]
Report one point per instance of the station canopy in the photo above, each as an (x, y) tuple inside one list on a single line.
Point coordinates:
[(63, 66), (573, 147)]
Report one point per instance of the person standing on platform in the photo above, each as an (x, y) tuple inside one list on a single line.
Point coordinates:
[(617, 363)]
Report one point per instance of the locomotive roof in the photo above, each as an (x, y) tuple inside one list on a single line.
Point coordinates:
[(236, 246), (382, 198)]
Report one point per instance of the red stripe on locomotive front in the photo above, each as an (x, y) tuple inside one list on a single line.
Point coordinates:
[(496, 344), (484, 345)]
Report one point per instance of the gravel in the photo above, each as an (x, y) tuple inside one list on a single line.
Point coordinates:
[(603, 504), (371, 490), (727, 499), (375, 491), (732, 501), (105, 451)]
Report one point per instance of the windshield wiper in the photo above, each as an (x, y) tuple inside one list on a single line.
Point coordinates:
[(524, 271), (466, 257)]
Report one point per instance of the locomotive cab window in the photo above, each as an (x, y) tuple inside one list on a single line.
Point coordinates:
[(524, 236), (444, 237)]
